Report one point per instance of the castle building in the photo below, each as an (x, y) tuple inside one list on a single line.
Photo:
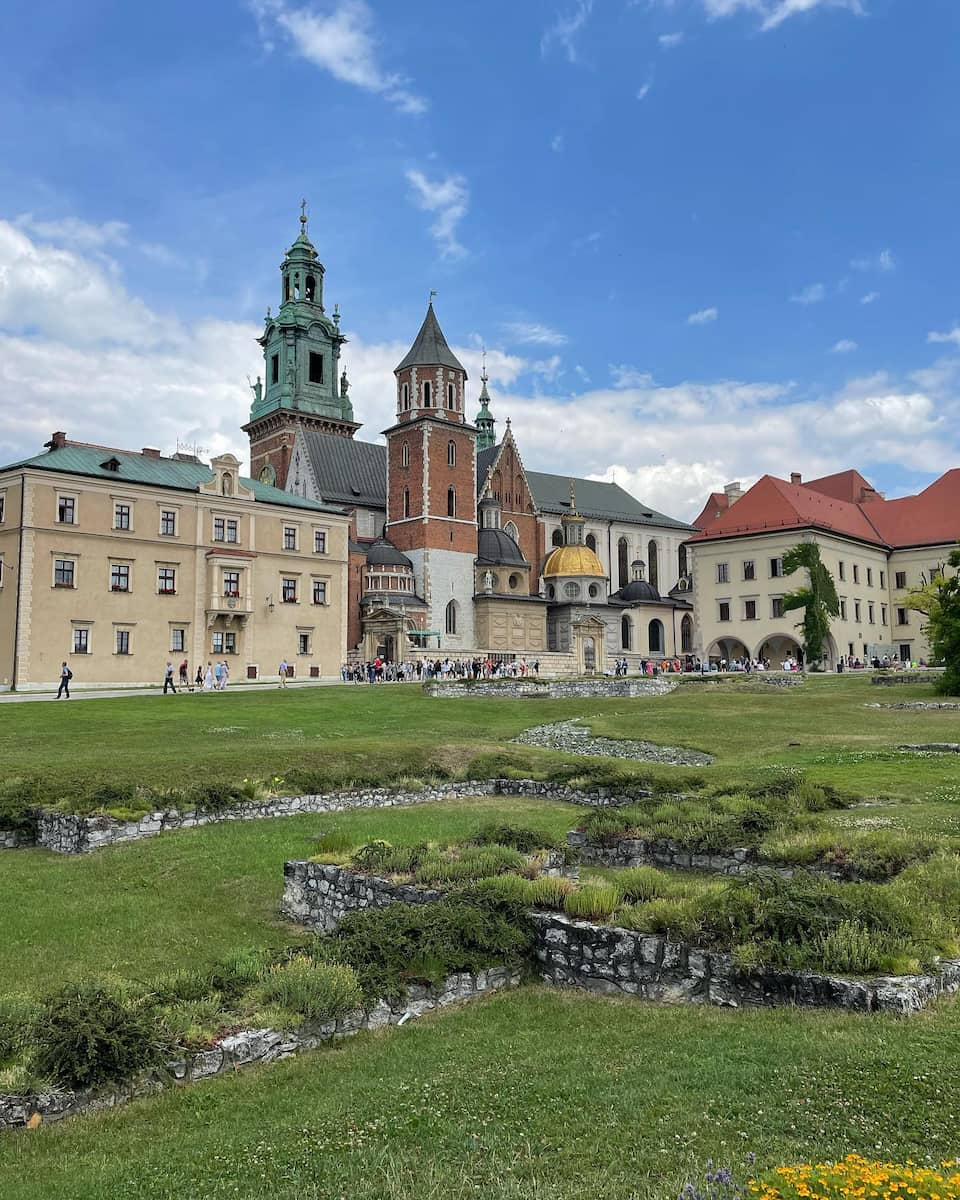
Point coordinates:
[(874, 548)]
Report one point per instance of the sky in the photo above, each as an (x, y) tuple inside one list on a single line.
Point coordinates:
[(701, 240)]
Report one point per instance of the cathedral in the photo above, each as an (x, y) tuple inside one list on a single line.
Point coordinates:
[(457, 548)]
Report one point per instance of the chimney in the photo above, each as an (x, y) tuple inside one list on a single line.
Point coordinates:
[(796, 477), (149, 452), (733, 492), (58, 441)]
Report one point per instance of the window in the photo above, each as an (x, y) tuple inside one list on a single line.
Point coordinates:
[(903, 617), (843, 571), (936, 572), (749, 610), (426, 394), (405, 394), (900, 579), (2, 506), (869, 576), (883, 579), (288, 591), (233, 530), (856, 610), (556, 538), (514, 582), (450, 618), (289, 537), (571, 590), (231, 584), (682, 563), (166, 581), (843, 610), (870, 616), (451, 502), (625, 632), (776, 606), (216, 641), (591, 542), (406, 502), (229, 643), (319, 541), (686, 635), (315, 369), (451, 451), (123, 641), (168, 522), (776, 568), (303, 643), (653, 564), (219, 529), (275, 368), (723, 573), (724, 610), (749, 571), (121, 517), (223, 643), (81, 641), (66, 510), (451, 396), (655, 635), (623, 555), (511, 531), (856, 573), (883, 614), (319, 591), (405, 455), (119, 577), (178, 639), (63, 572)]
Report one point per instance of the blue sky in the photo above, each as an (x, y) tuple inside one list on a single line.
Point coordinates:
[(701, 239)]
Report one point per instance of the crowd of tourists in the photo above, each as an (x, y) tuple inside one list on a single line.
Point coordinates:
[(382, 670)]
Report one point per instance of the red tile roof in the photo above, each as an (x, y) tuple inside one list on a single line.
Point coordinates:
[(930, 518)]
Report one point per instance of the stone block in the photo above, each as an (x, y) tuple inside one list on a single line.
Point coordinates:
[(206, 1063)]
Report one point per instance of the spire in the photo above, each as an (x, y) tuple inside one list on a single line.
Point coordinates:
[(484, 419), (430, 347), (572, 521)]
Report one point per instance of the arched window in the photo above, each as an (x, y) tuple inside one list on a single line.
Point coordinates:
[(426, 393), (556, 537), (311, 288), (406, 395), (592, 542), (655, 637), (451, 452), (286, 287), (625, 632), (406, 502), (451, 617), (451, 502), (623, 556), (296, 287), (682, 561), (686, 635), (451, 396), (653, 565), (405, 455), (511, 531)]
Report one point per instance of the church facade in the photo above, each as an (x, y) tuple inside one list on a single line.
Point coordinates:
[(456, 549)]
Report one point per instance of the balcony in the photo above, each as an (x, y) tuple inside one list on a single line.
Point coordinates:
[(228, 607)]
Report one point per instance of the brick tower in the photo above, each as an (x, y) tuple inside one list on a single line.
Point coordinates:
[(432, 483)]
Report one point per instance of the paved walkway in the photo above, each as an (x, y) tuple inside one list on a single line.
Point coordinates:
[(114, 693)]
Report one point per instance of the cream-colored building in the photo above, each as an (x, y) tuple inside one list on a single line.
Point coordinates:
[(875, 549), (120, 562)]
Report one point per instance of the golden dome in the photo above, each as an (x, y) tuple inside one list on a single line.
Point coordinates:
[(572, 560)]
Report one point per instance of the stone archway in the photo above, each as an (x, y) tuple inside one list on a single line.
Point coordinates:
[(777, 648), (727, 649)]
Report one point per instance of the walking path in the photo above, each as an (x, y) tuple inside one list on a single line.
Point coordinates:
[(113, 693)]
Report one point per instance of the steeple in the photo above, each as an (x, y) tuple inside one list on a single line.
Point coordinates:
[(572, 521), (430, 347), (430, 378), (484, 419)]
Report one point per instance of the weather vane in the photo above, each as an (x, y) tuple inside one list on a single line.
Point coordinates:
[(303, 216), (483, 370), (432, 294)]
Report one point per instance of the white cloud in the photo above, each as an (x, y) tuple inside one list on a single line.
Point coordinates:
[(557, 143), (565, 29), (343, 42), (869, 298), (76, 234), (844, 346), (449, 198), (703, 317), (533, 333), (669, 40), (884, 261), (812, 294), (785, 9), (644, 90), (951, 335)]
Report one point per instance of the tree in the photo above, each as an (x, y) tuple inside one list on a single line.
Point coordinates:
[(819, 600), (939, 601)]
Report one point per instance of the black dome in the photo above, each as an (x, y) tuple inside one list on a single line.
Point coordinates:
[(495, 546), (382, 554), (636, 593)]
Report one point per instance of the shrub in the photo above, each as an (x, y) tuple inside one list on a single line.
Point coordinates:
[(468, 863), (182, 986), (592, 902), (550, 891), (319, 991), (677, 919), (608, 825), (519, 837), (233, 974), (382, 857), (849, 948), (19, 800), (506, 887), (84, 1036), (214, 796), (333, 841), (194, 1023), (17, 1015), (875, 854), (643, 883)]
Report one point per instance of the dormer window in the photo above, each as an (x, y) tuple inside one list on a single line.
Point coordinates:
[(112, 464)]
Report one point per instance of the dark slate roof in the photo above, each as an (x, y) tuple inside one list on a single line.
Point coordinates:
[(348, 471), (485, 462), (594, 499), (430, 348), (383, 554), (637, 592), (80, 459), (495, 546)]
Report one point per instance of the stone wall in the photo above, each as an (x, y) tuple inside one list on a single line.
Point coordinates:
[(893, 678), (320, 895), (601, 958), (638, 852), (572, 737), (253, 1046), (932, 747), (554, 689)]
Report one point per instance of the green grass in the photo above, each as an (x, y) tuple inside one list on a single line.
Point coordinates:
[(185, 899), (537, 1095)]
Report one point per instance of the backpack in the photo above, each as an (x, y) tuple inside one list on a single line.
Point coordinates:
[(69, 674)]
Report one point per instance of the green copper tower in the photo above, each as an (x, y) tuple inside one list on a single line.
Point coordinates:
[(303, 383), (484, 419)]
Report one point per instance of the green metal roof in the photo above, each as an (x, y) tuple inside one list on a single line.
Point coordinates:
[(136, 468)]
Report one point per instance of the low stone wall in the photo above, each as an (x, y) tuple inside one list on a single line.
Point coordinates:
[(553, 689), (14, 839), (638, 852), (571, 737), (65, 833), (780, 679), (255, 1046), (893, 678), (601, 958), (320, 896), (926, 705), (933, 747)]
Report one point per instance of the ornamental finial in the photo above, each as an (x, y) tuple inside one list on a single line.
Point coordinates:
[(483, 371), (573, 497), (303, 217)]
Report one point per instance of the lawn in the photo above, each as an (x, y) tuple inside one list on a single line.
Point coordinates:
[(537, 1095)]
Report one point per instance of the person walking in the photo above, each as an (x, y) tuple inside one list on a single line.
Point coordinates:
[(168, 679), (225, 676), (208, 679), (184, 673), (198, 682), (283, 673), (218, 677), (65, 676)]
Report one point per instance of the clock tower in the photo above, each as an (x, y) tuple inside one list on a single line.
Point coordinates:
[(303, 384)]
